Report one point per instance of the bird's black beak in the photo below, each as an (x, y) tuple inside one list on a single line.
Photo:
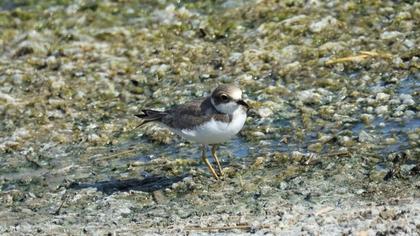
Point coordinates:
[(243, 103)]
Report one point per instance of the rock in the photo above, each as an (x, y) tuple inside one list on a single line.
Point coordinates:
[(364, 137), (309, 96), (289, 54), (413, 136), (390, 141), (294, 20), (234, 57), (333, 46), (345, 141), (407, 99), (409, 43), (264, 112), (369, 109), (7, 98), (378, 175), (367, 118), (258, 134), (381, 110), (315, 147), (409, 114), (394, 101), (328, 22), (382, 97), (391, 35)]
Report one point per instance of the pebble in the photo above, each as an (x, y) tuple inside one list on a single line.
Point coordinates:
[(388, 35), (407, 99), (390, 141), (325, 23), (315, 147), (382, 97), (367, 118), (394, 101), (409, 114), (265, 112), (365, 137), (309, 96), (258, 134), (381, 110), (345, 141), (413, 136)]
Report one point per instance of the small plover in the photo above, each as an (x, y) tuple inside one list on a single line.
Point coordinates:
[(208, 121)]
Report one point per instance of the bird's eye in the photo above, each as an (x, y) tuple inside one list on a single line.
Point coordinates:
[(224, 97)]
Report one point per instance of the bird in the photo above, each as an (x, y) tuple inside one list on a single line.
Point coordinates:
[(208, 121)]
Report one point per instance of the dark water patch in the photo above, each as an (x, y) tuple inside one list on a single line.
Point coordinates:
[(239, 148), (410, 84), (6, 5), (149, 184), (388, 129)]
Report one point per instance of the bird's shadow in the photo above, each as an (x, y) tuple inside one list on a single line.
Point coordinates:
[(148, 184)]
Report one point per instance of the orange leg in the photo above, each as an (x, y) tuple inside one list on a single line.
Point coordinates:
[(213, 153), (204, 158)]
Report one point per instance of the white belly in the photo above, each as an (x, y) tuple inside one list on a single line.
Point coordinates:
[(213, 131)]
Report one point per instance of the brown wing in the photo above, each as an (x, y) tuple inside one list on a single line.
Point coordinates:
[(192, 114)]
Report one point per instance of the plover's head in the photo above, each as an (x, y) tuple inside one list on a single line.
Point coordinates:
[(227, 98)]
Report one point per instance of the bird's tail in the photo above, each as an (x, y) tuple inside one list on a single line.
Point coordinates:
[(150, 115)]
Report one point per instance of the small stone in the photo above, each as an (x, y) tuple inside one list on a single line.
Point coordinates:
[(325, 23), (378, 175), (382, 97), (93, 138), (234, 57), (367, 118), (388, 35), (364, 137), (407, 99), (409, 43), (258, 134), (397, 114), (53, 63), (309, 97), (265, 112), (381, 110), (294, 20), (360, 191), (371, 101), (390, 141), (332, 46), (259, 161), (387, 214), (324, 138), (413, 136), (409, 114), (283, 185), (346, 141), (315, 147), (394, 101)]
